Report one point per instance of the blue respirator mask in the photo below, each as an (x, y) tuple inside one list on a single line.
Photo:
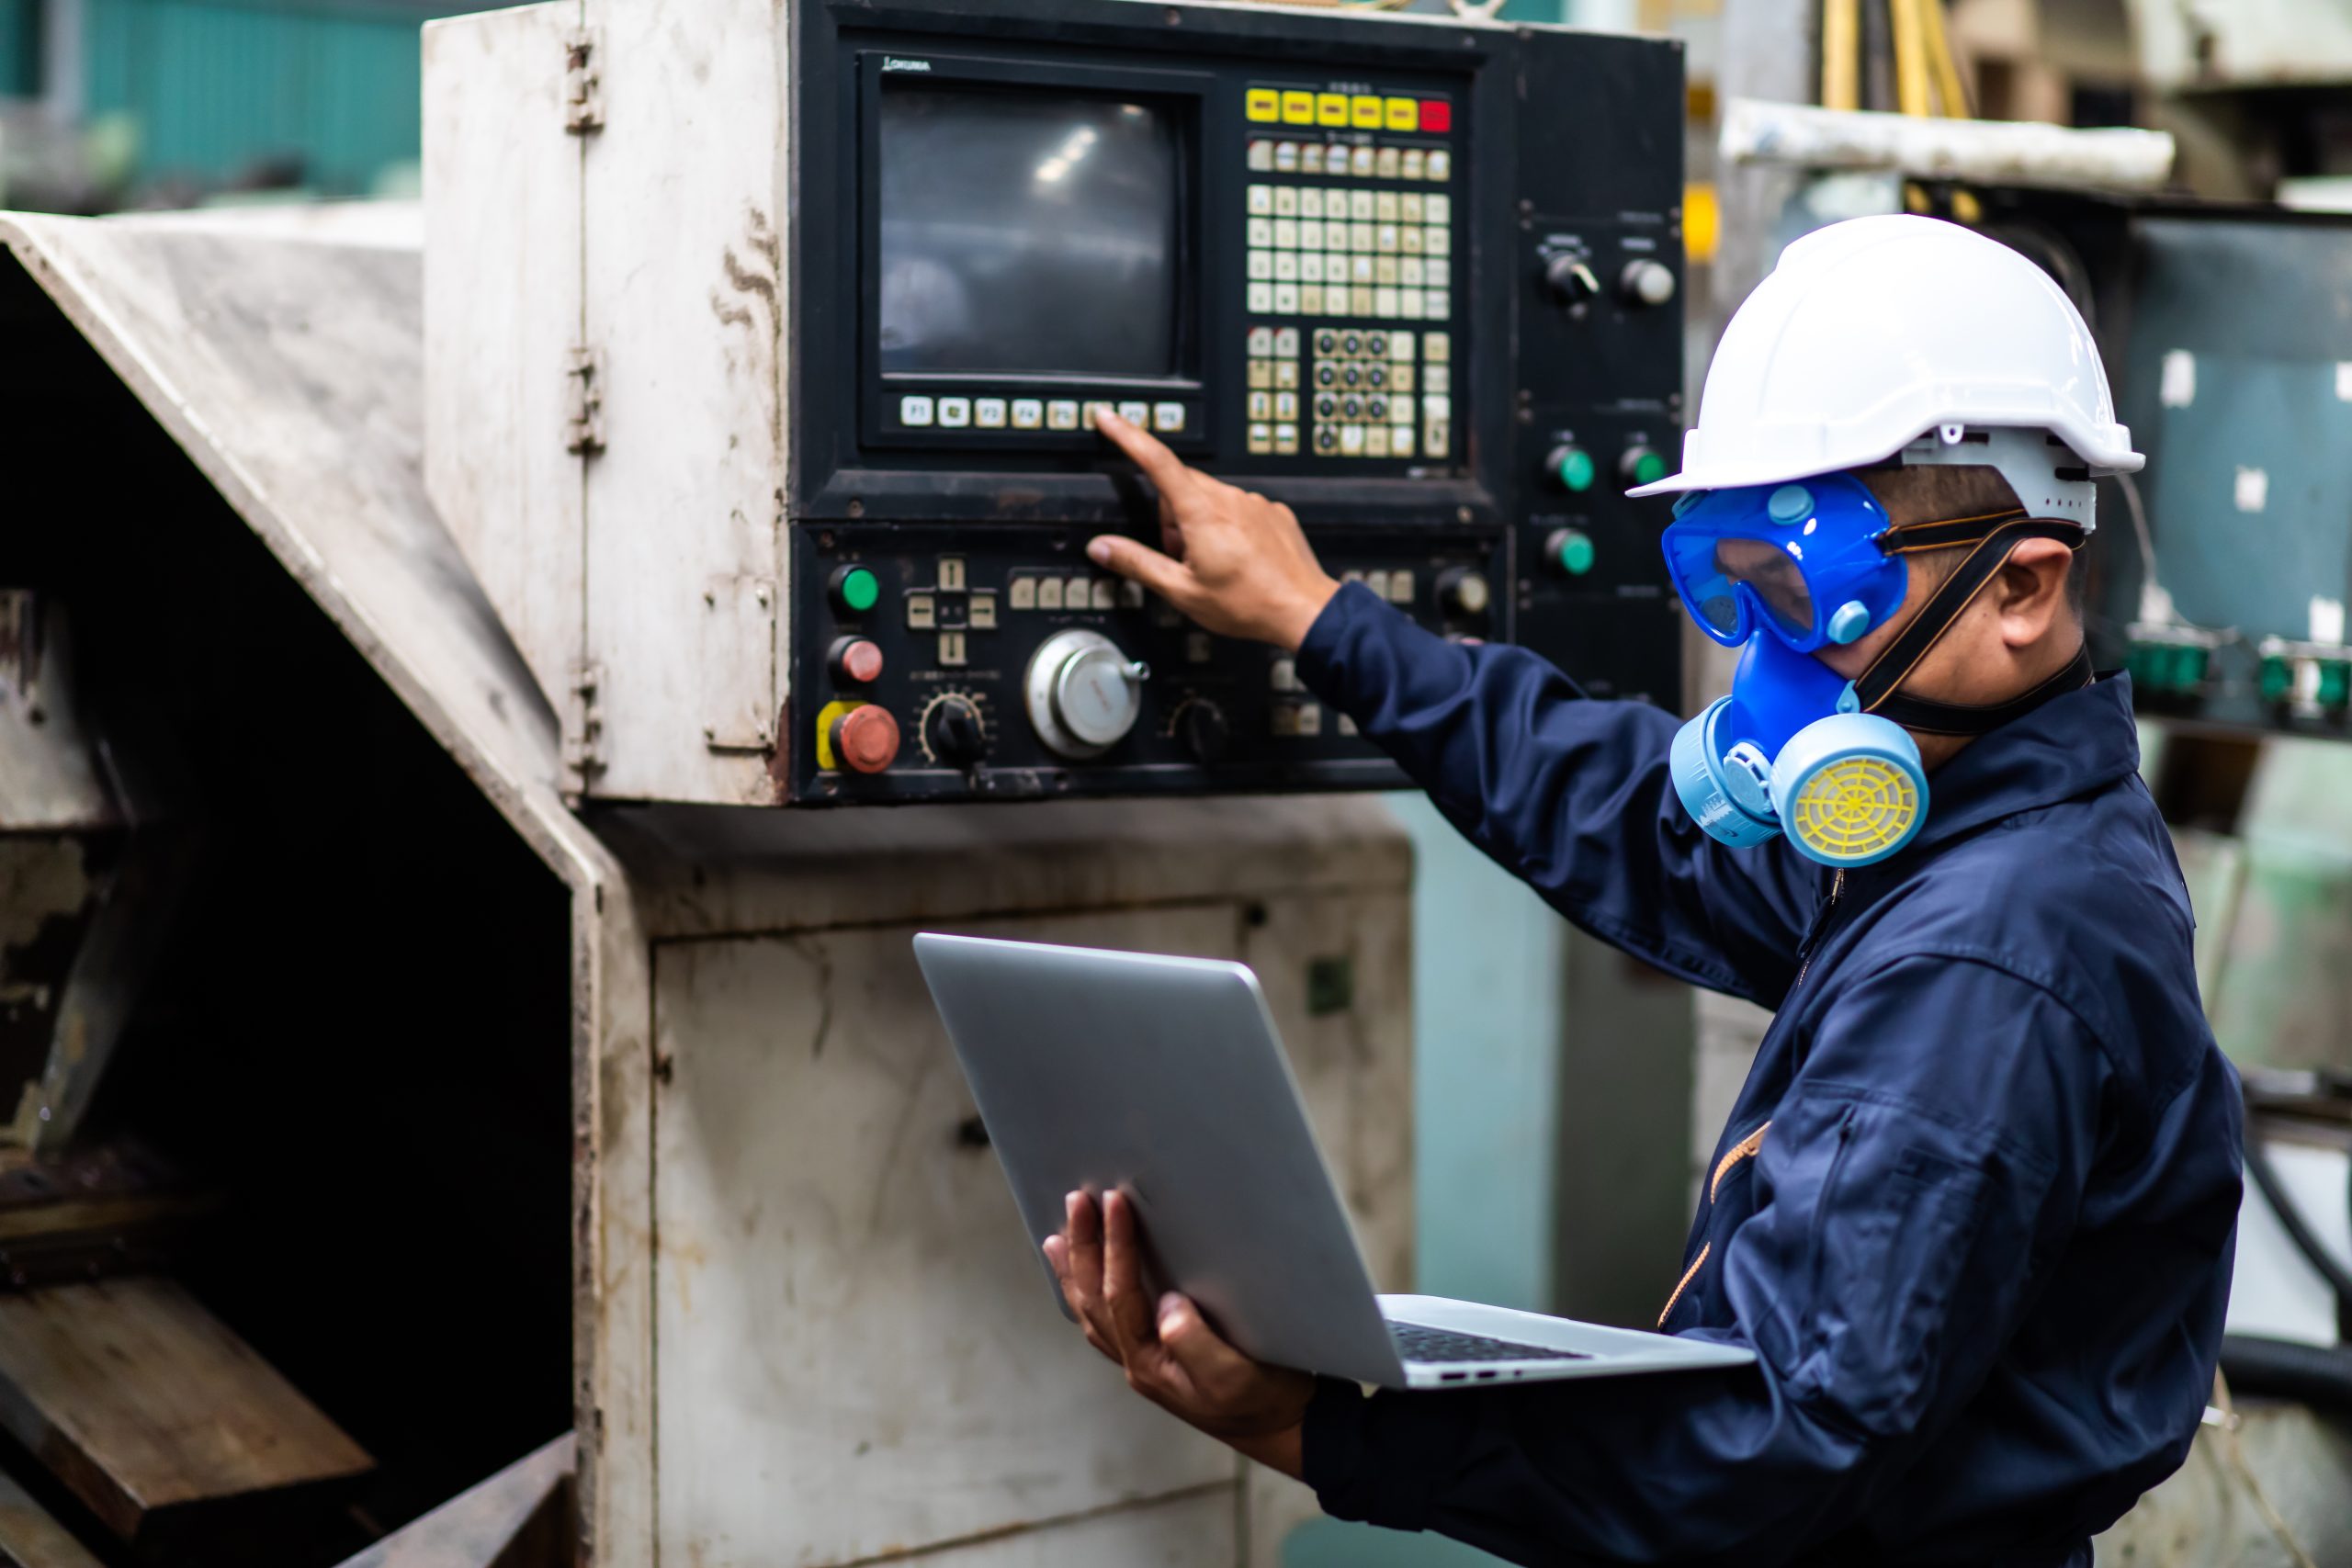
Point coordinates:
[(1781, 571)]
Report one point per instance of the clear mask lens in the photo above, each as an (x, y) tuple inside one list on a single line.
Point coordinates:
[(1771, 574)]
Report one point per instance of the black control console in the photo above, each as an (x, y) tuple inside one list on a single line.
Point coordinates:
[(1422, 283)]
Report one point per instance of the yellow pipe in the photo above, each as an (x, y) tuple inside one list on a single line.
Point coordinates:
[(1947, 87), (1841, 43), (1910, 58)]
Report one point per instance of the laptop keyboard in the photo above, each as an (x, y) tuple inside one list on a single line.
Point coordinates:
[(1416, 1343)]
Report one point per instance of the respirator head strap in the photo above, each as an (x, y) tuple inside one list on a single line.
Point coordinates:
[(1874, 689), (1928, 716)]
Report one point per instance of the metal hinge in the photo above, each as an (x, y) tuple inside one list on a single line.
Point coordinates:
[(584, 730), (584, 419), (584, 90)]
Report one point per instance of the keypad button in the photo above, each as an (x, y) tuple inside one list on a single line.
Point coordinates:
[(1028, 414), (1260, 157), (1285, 157), (1408, 207), (1376, 441), (1261, 298), (1286, 342), (1400, 377), (1440, 166), (1261, 266), (1262, 373), (1351, 441), (1360, 163), (1262, 405), (1310, 299), (1436, 378), (982, 613), (951, 650), (1262, 104), (1310, 233), (1310, 267), (1360, 238), (1285, 405), (1286, 370), (1061, 414), (1286, 440), (1383, 270), (1326, 438), (1310, 202), (1437, 347), (1285, 201), (1261, 233), (1437, 405), (1410, 304), (1366, 113), (1386, 163), (1384, 303), (1310, 160), (1400, 583), (1436, 239), (954, 412), (922, 611), (1285, 233), (1262, 341), (1384, 205), (1437, 209), (1409, 268), (1285, 298), (1260, 199), (1331, 110), (1168, 418), (1361, 205), (989, 413), (1107, 592), (1049, 593), (1285, 266), (1409, 239), (1403, 114), (1400, 441), (1087, 416), (1298, 108), (1435, 438), (1022, 593), (1410, 167), (1359, 300), (1137, 413), (1440, 303), (914, 411), (1261, 439)]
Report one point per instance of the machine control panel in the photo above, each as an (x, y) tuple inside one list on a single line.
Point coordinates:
[(1420, 284)]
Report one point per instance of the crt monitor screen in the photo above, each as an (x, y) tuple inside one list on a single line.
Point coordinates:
[(1023, 233)]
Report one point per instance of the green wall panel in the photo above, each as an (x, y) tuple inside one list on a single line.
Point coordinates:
[(19, 48), (215, 87)]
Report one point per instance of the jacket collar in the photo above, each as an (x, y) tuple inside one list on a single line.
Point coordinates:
[(2069, 745)]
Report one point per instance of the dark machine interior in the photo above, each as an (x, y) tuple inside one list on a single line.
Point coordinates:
[(356, 1036)]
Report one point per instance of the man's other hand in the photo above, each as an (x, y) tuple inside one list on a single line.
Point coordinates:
[(1170, 1353), (1235, 562)]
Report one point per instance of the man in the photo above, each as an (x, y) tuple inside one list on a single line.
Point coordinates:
[(1974, 1210)]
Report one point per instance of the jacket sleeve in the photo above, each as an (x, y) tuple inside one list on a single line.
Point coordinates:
[(1569, 794), (1926, 1161)]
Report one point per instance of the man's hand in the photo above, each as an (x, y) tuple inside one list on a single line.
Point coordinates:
[(1234, 561), (1170, 1353)]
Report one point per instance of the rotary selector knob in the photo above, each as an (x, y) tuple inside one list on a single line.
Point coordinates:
[(1464, 593), (955, 731), (1646, 282), (1570, 278), (1201, 727), (1083, 693)]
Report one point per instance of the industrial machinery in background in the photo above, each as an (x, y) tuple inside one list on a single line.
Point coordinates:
[(458, 1067)]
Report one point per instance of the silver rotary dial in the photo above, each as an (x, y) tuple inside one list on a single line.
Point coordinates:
[(1083, 693)]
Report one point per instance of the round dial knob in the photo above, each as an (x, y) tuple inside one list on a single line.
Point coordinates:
[(1083, 693), (866, 738), (1202, 730), (955, 731), (1646, 282), (1570, 279), (1464, 593)]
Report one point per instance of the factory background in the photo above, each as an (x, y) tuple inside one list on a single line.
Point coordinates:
[(1536, 1049)]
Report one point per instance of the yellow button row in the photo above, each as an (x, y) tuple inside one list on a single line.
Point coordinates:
[(1361, 111)]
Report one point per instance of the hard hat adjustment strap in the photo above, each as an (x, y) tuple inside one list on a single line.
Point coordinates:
[(1874, 689)]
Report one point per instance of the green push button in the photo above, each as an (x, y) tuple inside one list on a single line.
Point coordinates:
[(1570, 550), (1648, 467), (1574, 467), (856, 590)]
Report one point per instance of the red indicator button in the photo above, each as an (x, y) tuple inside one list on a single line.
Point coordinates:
[(866, 738), (1436, 115), (856, 660)]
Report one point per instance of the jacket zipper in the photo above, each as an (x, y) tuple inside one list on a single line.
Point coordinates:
[(1836, 885)]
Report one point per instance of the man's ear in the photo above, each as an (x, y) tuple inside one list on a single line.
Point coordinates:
[(2029, 591)]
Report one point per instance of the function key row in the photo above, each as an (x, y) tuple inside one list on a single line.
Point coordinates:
[(1433, 165), (917, 411), (1363, 111)]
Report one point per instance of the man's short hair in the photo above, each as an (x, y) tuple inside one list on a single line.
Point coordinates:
[(1942, 491)]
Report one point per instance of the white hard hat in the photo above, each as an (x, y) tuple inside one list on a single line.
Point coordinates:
[(1881, 336)]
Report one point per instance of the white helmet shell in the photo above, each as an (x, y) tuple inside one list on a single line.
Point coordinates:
[(1882, 333)]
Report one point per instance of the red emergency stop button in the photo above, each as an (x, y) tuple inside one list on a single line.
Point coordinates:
[(866, 738), (1436, 115)]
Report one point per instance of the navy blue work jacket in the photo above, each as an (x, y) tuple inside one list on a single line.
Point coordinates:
[(1974, 1211)]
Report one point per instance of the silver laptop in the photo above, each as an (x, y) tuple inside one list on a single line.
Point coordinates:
[(1164, 1076)]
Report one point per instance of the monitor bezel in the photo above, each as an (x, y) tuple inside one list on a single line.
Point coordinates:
[(1180, 94)]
